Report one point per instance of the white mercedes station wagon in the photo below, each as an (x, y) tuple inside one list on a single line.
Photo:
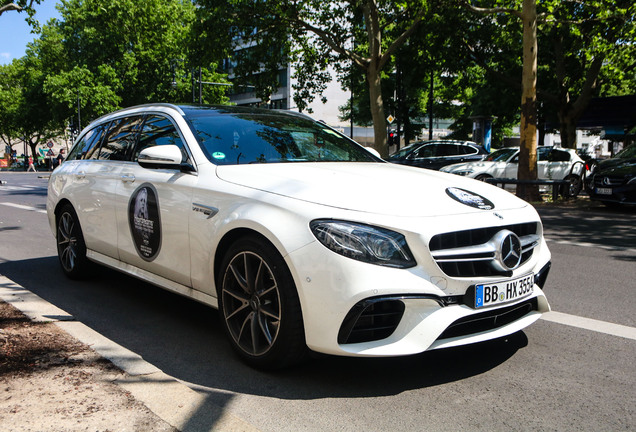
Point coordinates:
[(303, 239)]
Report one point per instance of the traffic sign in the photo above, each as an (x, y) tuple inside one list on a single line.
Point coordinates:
[(390, 119)]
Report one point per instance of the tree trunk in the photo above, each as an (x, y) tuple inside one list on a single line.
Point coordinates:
[(527, 169), (377, 109), (567, 128)]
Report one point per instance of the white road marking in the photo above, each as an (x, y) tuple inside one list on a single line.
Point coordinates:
[(20, 188), (23, 207), (591, 324)]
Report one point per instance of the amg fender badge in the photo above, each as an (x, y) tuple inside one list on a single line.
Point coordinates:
[(470, 199), (208, 211)]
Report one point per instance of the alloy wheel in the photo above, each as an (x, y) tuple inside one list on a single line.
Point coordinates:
[(67, 241), (251, 303)]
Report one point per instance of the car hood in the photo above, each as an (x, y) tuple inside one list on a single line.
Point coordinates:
[(617, 166), (379, 188)]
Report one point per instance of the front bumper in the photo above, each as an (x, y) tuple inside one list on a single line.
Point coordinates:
[(402, 312)]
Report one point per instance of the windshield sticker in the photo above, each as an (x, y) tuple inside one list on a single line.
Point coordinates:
[(218, 155), (469, 198), (143, 218)]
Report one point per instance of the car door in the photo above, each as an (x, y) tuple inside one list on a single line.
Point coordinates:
[(543, 171), (91, 184), (559, 164), (509, 168), (423, 156), (153, 207)]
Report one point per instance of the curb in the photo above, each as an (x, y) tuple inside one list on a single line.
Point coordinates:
[(170, 399)]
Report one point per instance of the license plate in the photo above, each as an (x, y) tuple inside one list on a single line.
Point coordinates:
[(604, 191), (503, 291)]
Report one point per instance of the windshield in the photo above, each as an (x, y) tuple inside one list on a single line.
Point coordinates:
[(501, 155), (242, 138), (627, 153)]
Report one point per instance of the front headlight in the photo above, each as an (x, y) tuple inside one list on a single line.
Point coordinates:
[(364, 243)]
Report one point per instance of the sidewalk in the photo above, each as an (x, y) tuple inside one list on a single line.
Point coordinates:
[(57, 374)]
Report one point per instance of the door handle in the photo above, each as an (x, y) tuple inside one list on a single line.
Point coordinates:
[(128, 178)]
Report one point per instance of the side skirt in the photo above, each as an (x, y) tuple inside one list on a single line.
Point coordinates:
[(159, 281)]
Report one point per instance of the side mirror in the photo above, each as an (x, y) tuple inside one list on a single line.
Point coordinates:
[(164, 156)]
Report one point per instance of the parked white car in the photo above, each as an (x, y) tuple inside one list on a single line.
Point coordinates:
[(552, 164), (301, 237)]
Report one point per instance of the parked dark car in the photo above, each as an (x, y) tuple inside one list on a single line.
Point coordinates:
[(614, 180), (436, 154)]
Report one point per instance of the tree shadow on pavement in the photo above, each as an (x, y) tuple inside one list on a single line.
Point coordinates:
[(597, 225), (185, 340)]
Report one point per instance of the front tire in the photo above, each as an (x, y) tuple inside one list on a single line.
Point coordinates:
[(259, 306), (71, 249)]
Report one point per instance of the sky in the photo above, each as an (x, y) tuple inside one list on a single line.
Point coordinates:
[(15, 33)]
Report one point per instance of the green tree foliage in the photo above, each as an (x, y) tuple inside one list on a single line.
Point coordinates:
[(586, 49), (312, 35), (580, 45), (21, 6), (25, 113), (138, 48), (104, 54), (10, 100)]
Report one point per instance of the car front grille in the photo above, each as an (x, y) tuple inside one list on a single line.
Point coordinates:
[(605, 181), (471, 253)]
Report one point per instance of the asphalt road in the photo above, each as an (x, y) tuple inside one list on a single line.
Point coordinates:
[(552, 377)]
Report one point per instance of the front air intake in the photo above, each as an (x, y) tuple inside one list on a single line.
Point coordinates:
[(371, 320)]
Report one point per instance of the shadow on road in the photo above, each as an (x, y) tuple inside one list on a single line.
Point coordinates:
[(596, 225), (185, 340)]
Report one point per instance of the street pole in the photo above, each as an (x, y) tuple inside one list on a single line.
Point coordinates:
[(200, 88), (79, 116), (430, 108)]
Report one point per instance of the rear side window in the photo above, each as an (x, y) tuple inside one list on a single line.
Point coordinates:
[(543, 153), (159, 130), (87, 146), (467, 150), (559, 156), (120, 139), (446, 150)]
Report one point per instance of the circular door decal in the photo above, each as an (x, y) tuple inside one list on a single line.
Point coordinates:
[(143, 218), (470, 198)]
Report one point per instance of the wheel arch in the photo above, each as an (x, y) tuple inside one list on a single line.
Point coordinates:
[(230, 238), (482, 176), (62, 203)]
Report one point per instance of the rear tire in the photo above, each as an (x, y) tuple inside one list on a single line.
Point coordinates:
[(259, 306), (482, 177), (573, 189), (71, 249)]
